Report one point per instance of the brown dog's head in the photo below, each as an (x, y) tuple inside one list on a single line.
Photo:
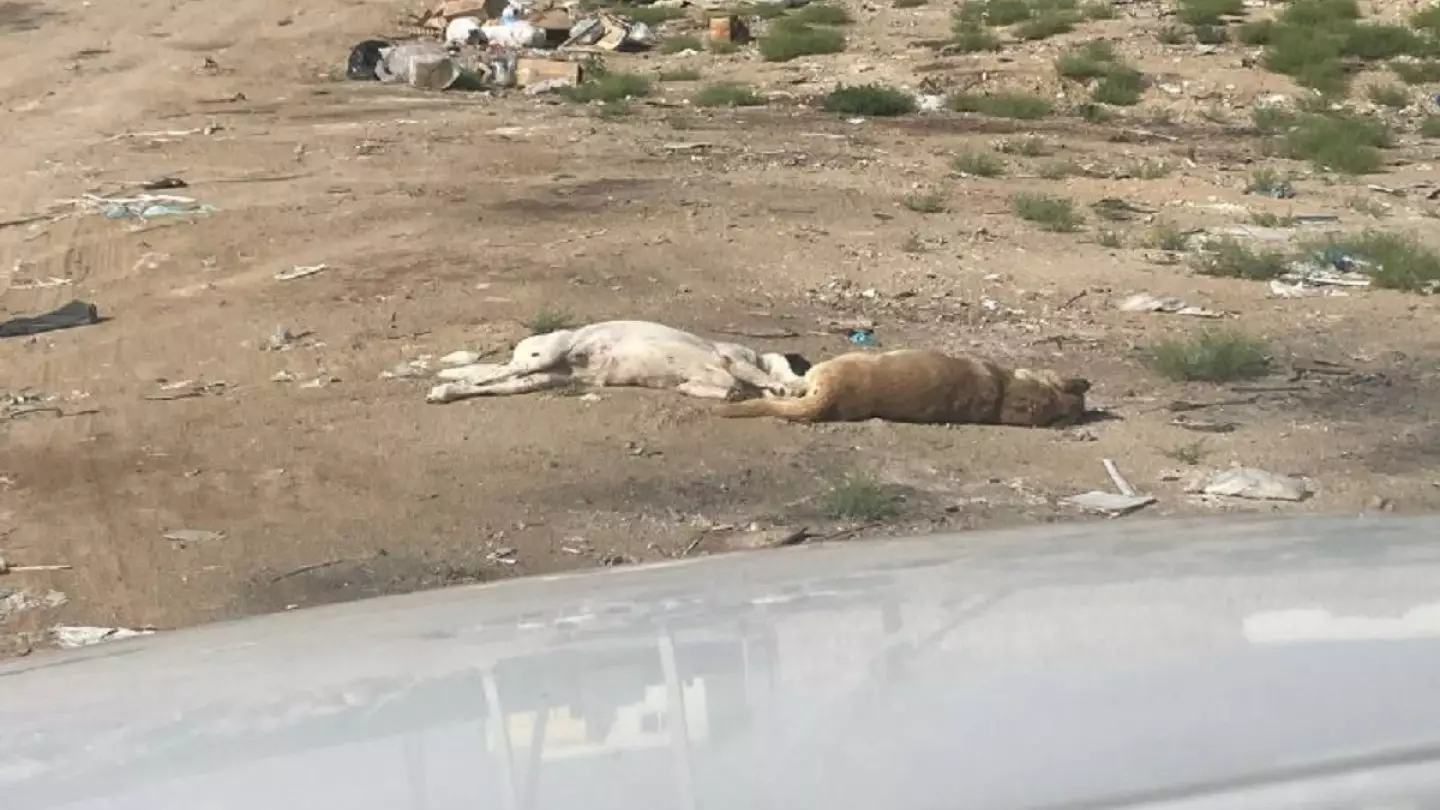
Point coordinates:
[(1043, 399)]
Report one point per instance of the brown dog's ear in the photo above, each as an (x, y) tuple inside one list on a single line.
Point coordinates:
[(1075, 385)]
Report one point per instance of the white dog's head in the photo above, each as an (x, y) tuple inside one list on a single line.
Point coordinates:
[(541, 352)]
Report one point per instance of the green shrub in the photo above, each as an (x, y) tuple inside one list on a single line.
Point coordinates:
[(1121, 86), (979, 164), (728, 94), (875, 100), (786, 42), (1050, 213), (611, 87), (1023, 106), (1211, 356)]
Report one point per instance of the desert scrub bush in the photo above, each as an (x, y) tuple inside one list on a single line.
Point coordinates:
[(978, 164), (1109, 239), (1232, 258), (1211, 34), (1389, 95), (1050, 213), (996, 12), (789, 40), (925, 202), (611, 87), (1312, 39), (875, 100), (1430, 127), (681, 43), (1028, 146), (1167, 236), (859, 497), (904, 4), (1121, 86), (548, 320), (1023, 106), (1417, 72), (1152, 169), (728, 94), (972, 37), (821, 14), (1098, 10), (653, 15), (1213, 355), (1395, 261), (1047, 24), (1341, 142), (1091, 60), (1060, 169), (1170, 35), (1094, 113), (680, 75), (1256, 32), (1209, 12), (1270, 183)]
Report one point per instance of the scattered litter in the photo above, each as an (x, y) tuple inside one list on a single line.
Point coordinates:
[(1315, 219), (1204, 425), (426, 65), (1280, 191), (164, 184), (184, 537), (144, 206), (1108, 503), (1330, 267), (1145, 302), (1393, 192), (14, 601), (1118, 210), (186, 389), (281, 340), (407, 370), (1252, 484), (76, 313), (300, 271), (864, 338), (282, 377), (72, 637), (320, 381), (609, 32), (7, 568), (931, 102), (502, 556)]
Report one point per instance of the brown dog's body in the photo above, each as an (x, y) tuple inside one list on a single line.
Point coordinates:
[(915, 385)]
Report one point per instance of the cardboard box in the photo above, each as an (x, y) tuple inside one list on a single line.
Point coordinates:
[(530, 70)]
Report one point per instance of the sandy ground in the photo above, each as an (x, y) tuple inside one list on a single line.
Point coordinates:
[(446, 221)]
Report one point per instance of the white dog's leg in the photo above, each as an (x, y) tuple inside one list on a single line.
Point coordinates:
[(477, 373), (452, 391), (705, 389)]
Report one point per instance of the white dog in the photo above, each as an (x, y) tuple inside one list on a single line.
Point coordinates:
[(625, 353)]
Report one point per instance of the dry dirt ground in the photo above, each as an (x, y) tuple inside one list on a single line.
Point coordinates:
[(446, 221)]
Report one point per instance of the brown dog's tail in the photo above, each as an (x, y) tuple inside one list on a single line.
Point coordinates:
[(808, 408)]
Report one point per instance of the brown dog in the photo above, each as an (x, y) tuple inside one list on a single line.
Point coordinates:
[(916, 385)]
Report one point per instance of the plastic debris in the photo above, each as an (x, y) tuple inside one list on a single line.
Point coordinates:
[(1109, 503), (864, 338), (1145, 302), (71, 637), (184, 537), (299, 271), (1252, 484), (145, 206), (76, 313)]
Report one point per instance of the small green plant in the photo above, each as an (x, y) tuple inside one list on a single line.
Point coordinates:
[(1190, 453), (999, 12), (1061, 169), (1231, 258), (875, 100), (1211, 356), (1389, 95), (1211, 34), (681, 43), (1419, 72), (859, 497), (1396, 261), (1430, 126), (925, 202), (728, 94), (978, 164), (722, 47), (1029, 146), (680, 75), (821, 14), (1023, 106), (653, 15), (1098, 10), (972, 37), (1265, 219), (1046, 25), (547, 320), (1342, 142), (904, 4), (1108, 239), (1171, 35), (1152, 169), (1121, 86), (1368, 207), (1166, 236), (913, 244), (1050, 213), (1094, 113), (1427, 21), (614, 110), (1091, 60), (794, 40), (611, 87), (765, 11), (1209, 12), (1268, 182), (1272, 119), (1256, 32)]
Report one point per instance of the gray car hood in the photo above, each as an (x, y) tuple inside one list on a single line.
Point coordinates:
[(1102, 664)]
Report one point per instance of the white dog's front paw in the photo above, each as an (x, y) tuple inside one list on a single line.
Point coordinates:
[(445, 392), (473, 373)]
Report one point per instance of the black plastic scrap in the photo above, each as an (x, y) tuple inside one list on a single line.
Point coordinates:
[(364, 58), (76, 313)]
